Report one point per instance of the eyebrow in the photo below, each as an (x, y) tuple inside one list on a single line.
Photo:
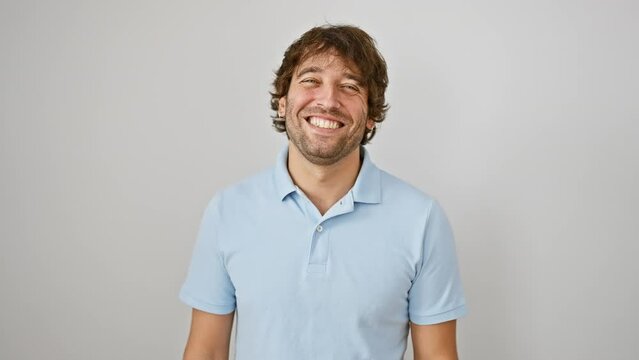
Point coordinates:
[(310, 69), (317, 69)]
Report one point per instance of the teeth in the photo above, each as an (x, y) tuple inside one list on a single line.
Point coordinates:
[(323, 123)]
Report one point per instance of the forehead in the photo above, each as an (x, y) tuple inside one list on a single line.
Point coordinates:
[(326, 60)]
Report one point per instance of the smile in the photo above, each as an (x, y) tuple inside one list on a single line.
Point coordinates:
[(324, 123)]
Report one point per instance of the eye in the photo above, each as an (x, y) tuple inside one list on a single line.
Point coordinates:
[(309, 81), (351, 88)]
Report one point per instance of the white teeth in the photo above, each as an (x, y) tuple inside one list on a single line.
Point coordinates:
[(323, 123)]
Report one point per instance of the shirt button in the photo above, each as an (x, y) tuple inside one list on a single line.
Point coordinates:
[(319, 228)]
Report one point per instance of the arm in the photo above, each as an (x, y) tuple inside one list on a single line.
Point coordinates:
[(209, 337), (434, 342)]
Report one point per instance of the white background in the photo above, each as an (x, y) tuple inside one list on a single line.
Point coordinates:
[(120, 119)]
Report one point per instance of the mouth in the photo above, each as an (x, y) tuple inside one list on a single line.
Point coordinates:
[(323, 123)]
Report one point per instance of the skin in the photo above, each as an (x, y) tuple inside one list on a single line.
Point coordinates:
[(209, 337), (324, 164), (435, 342)]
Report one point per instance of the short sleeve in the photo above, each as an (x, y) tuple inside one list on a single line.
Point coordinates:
[(436, 294), (207, 286)]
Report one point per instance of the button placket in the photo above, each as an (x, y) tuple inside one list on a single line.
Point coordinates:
[(319, 250)]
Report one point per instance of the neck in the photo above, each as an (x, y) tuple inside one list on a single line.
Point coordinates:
[(324, 185)]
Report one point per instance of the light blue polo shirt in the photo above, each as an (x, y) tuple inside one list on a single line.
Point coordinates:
[(340, 286)]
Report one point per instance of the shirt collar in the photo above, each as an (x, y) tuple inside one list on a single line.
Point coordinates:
[(283, 182), (367, 188)]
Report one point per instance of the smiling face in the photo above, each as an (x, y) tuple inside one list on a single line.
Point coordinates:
[(326, 109)]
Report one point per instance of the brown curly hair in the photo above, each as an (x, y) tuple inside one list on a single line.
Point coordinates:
[(351, 43)]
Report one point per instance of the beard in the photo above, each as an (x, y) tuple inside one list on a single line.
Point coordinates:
[(318, 150)]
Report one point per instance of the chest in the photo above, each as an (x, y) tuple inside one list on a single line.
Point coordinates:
[(354, 264)]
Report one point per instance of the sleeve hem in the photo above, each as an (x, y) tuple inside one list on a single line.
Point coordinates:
[(207, 307), (439, 318)]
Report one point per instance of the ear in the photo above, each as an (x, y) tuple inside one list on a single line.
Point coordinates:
[(281, 107), (370, 124)]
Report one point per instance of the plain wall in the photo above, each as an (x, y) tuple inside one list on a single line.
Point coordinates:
[(120, 119)]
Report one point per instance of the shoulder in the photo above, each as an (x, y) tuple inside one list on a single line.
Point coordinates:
[(400, 193), (246, 192)]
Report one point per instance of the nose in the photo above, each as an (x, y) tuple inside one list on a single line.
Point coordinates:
[(328, 97)]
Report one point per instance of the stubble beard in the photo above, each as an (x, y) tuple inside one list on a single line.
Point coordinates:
[(316, 151)]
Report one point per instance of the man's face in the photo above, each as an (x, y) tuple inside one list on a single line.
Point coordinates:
[(326, 108)]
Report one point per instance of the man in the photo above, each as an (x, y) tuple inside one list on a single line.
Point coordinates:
[(325, 256)]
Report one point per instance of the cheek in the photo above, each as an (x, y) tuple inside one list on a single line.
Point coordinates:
[(299, 102), (360, 104), (361, 111)]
